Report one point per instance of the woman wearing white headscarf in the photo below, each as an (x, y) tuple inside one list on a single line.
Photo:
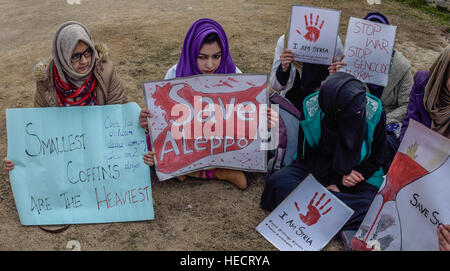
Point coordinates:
[(77, 74)]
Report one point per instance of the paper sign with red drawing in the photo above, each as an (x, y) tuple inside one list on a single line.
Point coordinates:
[(313, 34), (413, 201), (307, 219), (208, 121), (368, 50)]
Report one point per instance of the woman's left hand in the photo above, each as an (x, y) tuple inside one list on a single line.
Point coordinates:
[(336, 65), (352, 179)]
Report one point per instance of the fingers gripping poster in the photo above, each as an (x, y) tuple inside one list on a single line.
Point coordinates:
[(413, 201), (307, 219), (208, 121), (313, 34), (369, 50), (76, 165)]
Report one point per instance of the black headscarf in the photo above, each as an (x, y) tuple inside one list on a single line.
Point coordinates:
[(309, 82), (342, 99)]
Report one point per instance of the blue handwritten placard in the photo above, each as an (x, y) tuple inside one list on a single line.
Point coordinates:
[(77, 165)]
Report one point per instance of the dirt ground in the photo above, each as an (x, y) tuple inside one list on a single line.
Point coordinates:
[(145, 39)]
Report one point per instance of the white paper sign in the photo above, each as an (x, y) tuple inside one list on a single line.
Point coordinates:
[(368, 50), (414, 199), (307, 219), (313, 34), (208, 121)]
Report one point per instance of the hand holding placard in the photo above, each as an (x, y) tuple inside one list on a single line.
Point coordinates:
[(286, 57), (313, 34)]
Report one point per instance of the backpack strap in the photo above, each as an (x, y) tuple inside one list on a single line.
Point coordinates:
[(374, 110), (287, 109), (284, 103), (275, 163), (311, 124), (279, 156)]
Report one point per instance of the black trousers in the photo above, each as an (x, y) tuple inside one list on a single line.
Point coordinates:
[(280, 184)]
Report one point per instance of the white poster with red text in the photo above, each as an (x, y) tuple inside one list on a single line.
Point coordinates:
[(368, 50), (306, 220), (208, 121), (414, 199), (313, 34)]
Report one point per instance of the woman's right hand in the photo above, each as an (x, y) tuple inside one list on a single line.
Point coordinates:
[(143, 122), (286, 57), (9, 165), (272, 117)]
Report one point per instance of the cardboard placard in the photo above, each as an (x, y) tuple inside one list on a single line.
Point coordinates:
[(369, 50), (76, 165), (307, 219), (413, 201), (313, 34), (207, 121)]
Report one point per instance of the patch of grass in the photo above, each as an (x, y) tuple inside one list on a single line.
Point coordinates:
[(442, 16), (417, 16)]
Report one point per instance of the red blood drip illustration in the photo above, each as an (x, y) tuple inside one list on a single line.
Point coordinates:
[(403, 171)]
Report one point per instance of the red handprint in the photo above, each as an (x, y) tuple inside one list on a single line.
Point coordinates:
[(313, 31), (313, 215)]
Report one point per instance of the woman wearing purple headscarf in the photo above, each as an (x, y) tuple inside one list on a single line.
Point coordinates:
[(205, 51)]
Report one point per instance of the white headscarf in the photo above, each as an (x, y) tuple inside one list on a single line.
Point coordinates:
[(64, 42)]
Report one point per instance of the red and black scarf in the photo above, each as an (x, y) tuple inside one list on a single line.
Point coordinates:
[(67, 93)]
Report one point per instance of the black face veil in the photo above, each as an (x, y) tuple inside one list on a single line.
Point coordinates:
[(342, 99)]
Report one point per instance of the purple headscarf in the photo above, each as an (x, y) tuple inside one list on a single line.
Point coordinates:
[(187, 65), (376, 17)]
